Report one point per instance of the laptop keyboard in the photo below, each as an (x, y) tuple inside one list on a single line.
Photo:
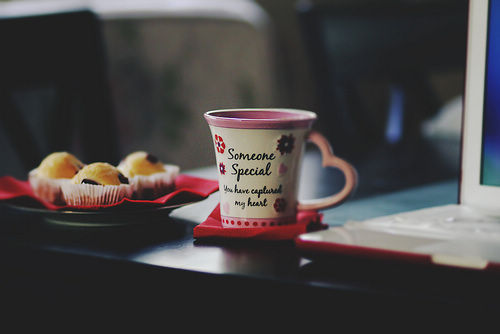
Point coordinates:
[(448, 222)]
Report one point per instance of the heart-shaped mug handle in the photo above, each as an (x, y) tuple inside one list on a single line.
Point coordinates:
[(330, 160)]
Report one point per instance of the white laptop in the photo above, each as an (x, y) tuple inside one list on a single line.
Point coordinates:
[(465, 234)]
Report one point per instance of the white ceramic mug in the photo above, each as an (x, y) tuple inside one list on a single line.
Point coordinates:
[(258, 154)]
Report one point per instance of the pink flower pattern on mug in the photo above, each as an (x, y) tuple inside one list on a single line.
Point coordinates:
[(282, 169), (279, 204), (222, 168), (219, 144), (286, 144)]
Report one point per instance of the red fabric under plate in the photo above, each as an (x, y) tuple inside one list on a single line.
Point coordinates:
[(212, 228), (187, 189)]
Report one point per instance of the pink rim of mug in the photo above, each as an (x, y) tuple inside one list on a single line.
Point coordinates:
[(256, 118)]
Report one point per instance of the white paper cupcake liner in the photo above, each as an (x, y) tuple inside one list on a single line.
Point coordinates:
[(94, 195), (155, 185), (46, 188)]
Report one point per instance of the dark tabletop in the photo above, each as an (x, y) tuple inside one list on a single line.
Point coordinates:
[(157, 260)]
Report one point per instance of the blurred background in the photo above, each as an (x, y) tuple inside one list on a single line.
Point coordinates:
[(104, 78)]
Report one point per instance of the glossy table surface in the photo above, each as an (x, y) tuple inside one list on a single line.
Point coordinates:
[(158, 258)]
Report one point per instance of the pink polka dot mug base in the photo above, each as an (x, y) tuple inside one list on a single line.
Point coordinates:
[(238, 222), (258, 154)]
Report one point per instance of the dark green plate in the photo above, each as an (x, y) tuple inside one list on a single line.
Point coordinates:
[(104, 218)]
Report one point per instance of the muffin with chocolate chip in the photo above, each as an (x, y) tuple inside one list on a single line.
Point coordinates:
[(97, 184), (149, 177), (54, 170)]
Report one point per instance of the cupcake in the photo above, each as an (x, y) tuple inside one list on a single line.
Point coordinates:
[(55, 170), (97, 184), (149, 177)]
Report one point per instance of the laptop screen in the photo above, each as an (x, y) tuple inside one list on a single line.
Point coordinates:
[(490, 162)]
